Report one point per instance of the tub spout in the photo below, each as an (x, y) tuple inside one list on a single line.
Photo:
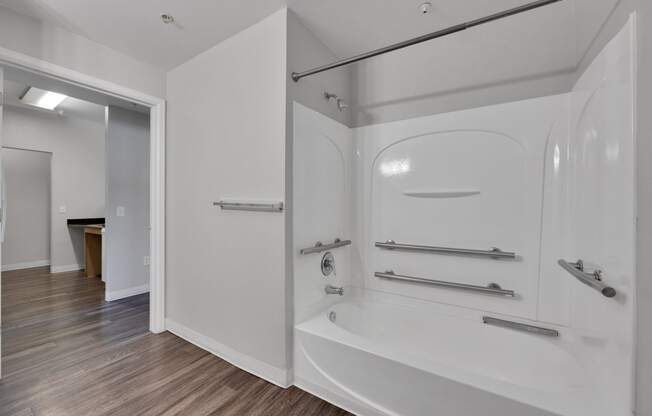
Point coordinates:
[(332, 290)]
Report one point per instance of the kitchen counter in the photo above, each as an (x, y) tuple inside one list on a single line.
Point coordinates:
[(86, 222), (93, 236)]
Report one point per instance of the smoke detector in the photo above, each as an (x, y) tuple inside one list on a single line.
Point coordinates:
[(167, 18), (425, 8)]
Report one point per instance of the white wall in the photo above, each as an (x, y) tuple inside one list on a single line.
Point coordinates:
[(305, 50), (323, 177), (78, 172), (619, 16), (127, 189), (56, 45), (491, 160), (226, 277), (27, 227)]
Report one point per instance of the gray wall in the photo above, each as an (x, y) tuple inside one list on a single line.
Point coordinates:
[(127, 189), (27, 227), (382, 96), (480, 67), (304, 51), (496, 63), (644, 267), (78, 172)]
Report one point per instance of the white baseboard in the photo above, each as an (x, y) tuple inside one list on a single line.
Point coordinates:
[(274, 375), (25, 265), (66, 268), (126, 293)]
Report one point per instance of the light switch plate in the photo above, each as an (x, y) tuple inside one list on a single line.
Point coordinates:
[(120, 211)]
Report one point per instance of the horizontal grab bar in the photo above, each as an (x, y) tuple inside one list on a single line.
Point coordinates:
[(520, 327), (250, 206), (494, 253), (491, 289), (320, 247), (593, 280)]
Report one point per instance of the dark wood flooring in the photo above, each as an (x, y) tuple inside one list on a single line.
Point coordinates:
[(67, 352)]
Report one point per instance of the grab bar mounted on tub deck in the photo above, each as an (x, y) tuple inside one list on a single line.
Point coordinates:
[(491, 289), (320, 247), (494, 253), (250, 206), (517, 326), (593, 280)]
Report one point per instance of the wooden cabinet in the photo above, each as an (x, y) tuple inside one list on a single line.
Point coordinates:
[(93, 250)]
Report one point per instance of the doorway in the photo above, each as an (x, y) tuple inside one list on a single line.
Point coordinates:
[(116, 102)]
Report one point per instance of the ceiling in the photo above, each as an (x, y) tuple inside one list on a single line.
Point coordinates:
[(135, 27)]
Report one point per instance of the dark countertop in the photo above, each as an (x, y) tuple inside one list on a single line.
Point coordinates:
[(86, 221)]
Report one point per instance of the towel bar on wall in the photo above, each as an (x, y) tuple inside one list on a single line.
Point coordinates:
[(250, 206), (593, 280), (494, 253), (320, 247), (491, 289)]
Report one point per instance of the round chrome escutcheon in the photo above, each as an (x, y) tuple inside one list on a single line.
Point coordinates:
[(332, 316)]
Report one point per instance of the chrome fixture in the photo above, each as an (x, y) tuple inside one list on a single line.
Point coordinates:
[(332, 290), (491, 289), (319, 247), (494, 253), (296, 76), (341, 105), (593, 280), (167, 18), (250, 206), (425, 8), (332, 316), (328, 264), (537, 330)]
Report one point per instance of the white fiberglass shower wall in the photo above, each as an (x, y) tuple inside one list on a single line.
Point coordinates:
[(548, 179)]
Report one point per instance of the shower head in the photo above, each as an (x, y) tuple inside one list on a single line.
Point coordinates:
[(341, 105)]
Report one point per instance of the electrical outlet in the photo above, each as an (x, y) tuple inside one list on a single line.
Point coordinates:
[(120, 211), (146, 260), (62, 209)]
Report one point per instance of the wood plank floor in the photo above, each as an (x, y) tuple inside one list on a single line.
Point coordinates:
[(65, 351)]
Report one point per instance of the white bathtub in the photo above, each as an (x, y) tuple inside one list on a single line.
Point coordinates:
[(395, 356)]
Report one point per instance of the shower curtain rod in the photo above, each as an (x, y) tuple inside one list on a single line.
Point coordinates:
[(296, 76)]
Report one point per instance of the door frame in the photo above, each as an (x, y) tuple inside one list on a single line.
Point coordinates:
[(156, 105)]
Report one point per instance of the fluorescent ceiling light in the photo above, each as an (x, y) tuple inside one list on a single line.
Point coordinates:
[(43, 99)]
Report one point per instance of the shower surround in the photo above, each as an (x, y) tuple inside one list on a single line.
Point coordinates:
[(547, 179)]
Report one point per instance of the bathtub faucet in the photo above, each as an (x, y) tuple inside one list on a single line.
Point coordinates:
[(332, 290)]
